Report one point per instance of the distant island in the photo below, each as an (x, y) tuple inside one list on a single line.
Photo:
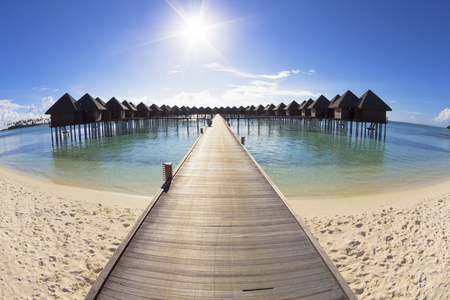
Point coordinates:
[(27, 123)]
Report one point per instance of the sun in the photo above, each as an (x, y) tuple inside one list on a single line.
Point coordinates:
[(196, 29)]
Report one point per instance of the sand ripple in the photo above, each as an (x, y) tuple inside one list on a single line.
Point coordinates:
[(392, 253), (52, 246)]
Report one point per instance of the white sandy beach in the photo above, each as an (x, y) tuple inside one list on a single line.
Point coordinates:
[(55, 239)]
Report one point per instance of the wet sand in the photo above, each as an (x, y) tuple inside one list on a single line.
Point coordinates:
[(55, 239)]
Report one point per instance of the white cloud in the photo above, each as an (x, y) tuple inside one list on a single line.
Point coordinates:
[(148, 100), (218, 67), (11, 112), (44, 88), (203, 98), (413, 112), (444, 116), (260, 92), (256, 92), (280, 75), (174, 71), (46, 102)]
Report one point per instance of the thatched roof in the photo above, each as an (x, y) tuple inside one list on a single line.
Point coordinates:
[(114, 104), (348, 100), (335, 98), (259, 108), (269, 107), (280, 106), (185, 109), (64, 104), (143, 107), (241, 109), (100, 101), (292, 106), (166, 108), (88, 103), (129, 106), (175, 109), (321, 102), (250, 108), (156, 108), (306, 103), (132, 104), (371, 101)]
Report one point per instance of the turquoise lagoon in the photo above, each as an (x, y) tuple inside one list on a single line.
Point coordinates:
[(300, 160)]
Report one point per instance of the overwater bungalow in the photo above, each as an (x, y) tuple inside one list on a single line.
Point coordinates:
[(106, 114), (132, 105), (292, 109), (371, 109), (279, 109), (201, 111), (156, 110), (234, 111), (129, 114), (269, 110), (209, 111), (185, 111), (250, 110), (345, 107), (167, 110), (331, 110), (305, 111), (175, 111), (242, 110), (194, 110), (143, 110), (90, 108), (228, 111), (221, 110), (259, 110), (117, 109), (64, 112), (319, 108)]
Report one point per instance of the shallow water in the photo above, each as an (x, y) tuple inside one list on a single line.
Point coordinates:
[(299, 160)]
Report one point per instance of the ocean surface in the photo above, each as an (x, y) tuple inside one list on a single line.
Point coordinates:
[(300, 160)]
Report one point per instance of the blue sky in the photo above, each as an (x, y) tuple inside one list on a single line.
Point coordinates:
[(220, 53)]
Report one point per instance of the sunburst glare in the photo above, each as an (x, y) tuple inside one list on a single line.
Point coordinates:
[(198, 29)]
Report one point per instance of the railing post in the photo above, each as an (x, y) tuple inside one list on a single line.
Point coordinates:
[(167, 171)]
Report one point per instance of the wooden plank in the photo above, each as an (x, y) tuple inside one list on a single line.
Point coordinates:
[(222, 230)]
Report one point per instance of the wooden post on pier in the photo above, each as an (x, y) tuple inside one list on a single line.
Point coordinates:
[(51, 133)]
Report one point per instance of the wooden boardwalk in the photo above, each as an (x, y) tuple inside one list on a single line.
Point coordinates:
[(222, 230)]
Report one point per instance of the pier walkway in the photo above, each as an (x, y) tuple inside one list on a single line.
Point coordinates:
[(222, 230)]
